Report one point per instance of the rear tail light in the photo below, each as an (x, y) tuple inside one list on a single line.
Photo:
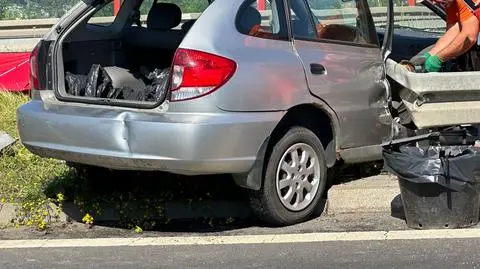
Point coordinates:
[(34, 82), (196, 74)]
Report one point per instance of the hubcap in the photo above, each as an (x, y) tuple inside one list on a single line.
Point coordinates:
[(298, 177)]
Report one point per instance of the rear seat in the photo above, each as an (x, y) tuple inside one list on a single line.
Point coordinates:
[(159, 33)]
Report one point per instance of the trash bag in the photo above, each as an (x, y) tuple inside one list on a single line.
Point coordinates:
[(132, 94), (76, 84), (99, 82), (157, 89), (454, 167)]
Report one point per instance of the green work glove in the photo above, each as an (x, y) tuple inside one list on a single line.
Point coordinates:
[(419, 62), (433, 64)]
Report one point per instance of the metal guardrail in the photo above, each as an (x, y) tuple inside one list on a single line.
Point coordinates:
[(416, 17)]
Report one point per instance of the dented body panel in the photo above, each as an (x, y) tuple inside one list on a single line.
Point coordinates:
[(183, 143)]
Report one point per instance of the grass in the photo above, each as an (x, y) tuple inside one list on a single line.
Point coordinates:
[(34, 184), (23, 175), (8, 104)]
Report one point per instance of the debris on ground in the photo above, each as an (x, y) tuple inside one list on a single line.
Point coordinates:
[(5, 141)]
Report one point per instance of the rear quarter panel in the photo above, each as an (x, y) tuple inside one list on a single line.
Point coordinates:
[(269, 76)]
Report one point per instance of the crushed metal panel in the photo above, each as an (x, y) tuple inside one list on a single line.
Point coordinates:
[(438, 99), (5, 140), (424, 83)]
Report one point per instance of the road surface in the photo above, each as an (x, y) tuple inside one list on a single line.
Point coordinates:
[(400, 249)]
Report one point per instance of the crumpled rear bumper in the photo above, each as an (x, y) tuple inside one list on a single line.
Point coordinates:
[(184, 143)]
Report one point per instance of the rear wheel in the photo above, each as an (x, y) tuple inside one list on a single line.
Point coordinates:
[(294, 181)]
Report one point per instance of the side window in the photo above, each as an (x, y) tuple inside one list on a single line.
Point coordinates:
[(104, 16), (339, 20), (301, 20), (262, 21)]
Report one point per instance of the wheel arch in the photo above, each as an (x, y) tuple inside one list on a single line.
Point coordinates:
[(313, 116)]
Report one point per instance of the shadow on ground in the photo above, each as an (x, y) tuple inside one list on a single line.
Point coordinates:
[(153, 200), (158, 201), (350, 172)]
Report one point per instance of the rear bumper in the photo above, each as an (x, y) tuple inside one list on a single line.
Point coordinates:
[(132, 140)]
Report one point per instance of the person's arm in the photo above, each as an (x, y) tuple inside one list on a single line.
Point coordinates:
[(467, 37), (445, 39), (453, 26)]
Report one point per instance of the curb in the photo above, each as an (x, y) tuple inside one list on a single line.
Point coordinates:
[(8, 213), (5, 141), (368, 195)]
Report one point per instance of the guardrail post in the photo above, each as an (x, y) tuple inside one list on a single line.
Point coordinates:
[(261, 4), (116, 7)]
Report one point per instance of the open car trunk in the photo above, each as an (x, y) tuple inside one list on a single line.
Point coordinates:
[(124, 63), (431, 100), (116, 69)]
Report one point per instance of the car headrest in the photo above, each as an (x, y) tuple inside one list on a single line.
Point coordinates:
[(164, 16), (249, 18)]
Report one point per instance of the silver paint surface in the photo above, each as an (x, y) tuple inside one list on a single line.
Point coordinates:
[(224, 131)]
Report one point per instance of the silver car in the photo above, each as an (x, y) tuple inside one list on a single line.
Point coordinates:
[(273, 97)]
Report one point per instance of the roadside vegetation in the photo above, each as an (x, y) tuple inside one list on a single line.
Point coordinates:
[(23, 176), (41, 187), (45, 190)]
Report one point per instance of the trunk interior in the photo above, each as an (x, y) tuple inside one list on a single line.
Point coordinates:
[(126, 68), (80, 56), (123, 63)]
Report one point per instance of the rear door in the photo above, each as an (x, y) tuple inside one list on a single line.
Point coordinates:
[(337, 43)]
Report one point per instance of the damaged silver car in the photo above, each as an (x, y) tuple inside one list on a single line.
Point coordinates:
[(274, 98)]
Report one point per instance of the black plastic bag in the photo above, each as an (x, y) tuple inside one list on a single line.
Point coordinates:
[(158, 86), (115, 93), (454, 167), (99, 82), (76, 84), (132, 95)]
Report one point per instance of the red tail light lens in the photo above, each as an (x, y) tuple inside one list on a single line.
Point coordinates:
[(197, 74), (34, 83)]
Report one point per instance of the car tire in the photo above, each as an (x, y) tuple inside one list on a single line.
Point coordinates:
[(280, 181)]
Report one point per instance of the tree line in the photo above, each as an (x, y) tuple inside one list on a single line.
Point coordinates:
[(39, 9)]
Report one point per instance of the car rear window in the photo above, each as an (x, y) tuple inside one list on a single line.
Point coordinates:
[(187, 6)]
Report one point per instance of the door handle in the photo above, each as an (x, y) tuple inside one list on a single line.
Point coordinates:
[(318, 69)]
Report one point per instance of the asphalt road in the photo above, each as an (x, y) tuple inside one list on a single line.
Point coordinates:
[(435, 253)]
